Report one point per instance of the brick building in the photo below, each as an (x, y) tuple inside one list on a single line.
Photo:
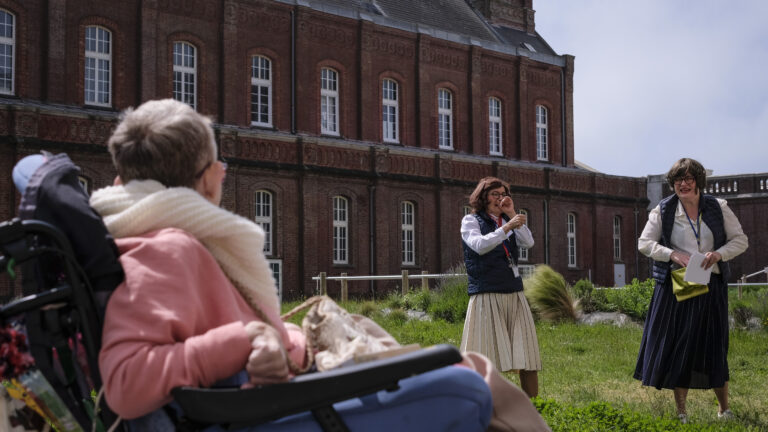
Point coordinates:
[(355, 130)]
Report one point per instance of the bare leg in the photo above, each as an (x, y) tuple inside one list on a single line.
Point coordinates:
[(722, 396), (529, 381), (681, 394)]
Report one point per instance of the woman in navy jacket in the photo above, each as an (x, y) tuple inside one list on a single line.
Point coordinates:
[(685, 343), (499, 322)]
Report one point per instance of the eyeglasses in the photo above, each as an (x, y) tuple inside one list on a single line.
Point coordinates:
[(220, 159), (495, 194), (689, 180)]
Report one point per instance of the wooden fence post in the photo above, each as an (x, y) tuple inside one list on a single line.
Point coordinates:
[(742, 281), (323, 284), (424, 282), (405, 281), (343, 288)]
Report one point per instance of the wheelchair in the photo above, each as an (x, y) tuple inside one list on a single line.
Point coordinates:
[(68, 265)]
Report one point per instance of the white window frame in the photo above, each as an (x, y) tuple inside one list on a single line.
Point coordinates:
[(408, 233), (8, 85), (340, 230), (466, 210), (263, 211), (444, 119), (617, 238), (276, 265), (526, 270), (522, 252), (494, 127), (571, 238), (542, 133), (97, 89), (329, 101), (185, 73), (390, 111), (261, 88)]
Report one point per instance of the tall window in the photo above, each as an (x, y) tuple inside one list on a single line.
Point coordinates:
[(466, 210), (407, 228), (494, 126), (542, 134), (262, 215), (389, 111), (340, 230), (98, 66), (329, 101), (444, 119), (617, 238), (571, 234), (522, 252), (276, 265), (7, 54), (185, 73), (261, 91)]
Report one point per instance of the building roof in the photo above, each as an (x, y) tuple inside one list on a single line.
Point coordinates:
[(454, 20)]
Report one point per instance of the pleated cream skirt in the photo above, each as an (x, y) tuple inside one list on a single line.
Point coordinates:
[(500, 326)]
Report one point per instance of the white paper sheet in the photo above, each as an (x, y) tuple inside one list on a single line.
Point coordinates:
[(695, 272)]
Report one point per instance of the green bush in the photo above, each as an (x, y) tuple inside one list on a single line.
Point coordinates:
[(417, 300), (633, 299), (550, 296), (450, 299), (583, 290), (741, 313)]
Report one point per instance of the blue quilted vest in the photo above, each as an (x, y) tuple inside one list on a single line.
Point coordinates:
[(490, 273), (711, 214)]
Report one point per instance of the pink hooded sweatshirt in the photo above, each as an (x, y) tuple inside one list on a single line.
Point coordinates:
[(175, 321)]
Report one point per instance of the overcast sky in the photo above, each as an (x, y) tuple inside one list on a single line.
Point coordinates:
[(657, 80)]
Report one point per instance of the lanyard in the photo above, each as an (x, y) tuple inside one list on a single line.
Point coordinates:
[(504, 243), (697, 229)]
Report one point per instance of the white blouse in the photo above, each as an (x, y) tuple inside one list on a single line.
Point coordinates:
[(482, 244), (684, 240)]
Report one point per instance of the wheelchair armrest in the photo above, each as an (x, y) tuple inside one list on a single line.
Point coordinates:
[(310, 391)]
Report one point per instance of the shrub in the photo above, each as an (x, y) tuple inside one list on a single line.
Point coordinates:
[(633, 299), (450, 299), (582, 290), (550, 296), (417, 300), (369, 309), (741, 313)]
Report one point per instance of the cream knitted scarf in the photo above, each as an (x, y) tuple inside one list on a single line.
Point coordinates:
[(142, 206)]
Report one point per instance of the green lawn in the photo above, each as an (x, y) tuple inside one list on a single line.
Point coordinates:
[(587, 364)]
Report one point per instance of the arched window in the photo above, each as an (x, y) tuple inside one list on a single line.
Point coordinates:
[(445, 119), (7, 51), (617, 238), (542, 133), (494, 126), (407, 229), (340, 230), (390, 111), (262, 215), (571, 238), (98, 66), (261, 91), (185, 73), (522, 252), (329, 102)]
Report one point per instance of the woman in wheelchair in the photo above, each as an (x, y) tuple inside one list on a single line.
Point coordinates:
[(198, 304)]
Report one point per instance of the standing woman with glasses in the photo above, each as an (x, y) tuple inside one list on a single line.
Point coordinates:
[(685, 343), (499, 322)]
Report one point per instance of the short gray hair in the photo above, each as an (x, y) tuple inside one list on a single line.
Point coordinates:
[(164, 140)]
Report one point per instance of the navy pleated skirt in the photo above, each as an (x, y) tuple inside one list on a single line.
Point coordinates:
[(685, 344)]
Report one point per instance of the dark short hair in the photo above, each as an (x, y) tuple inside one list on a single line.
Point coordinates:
[(687, 166), (479, 198)]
